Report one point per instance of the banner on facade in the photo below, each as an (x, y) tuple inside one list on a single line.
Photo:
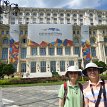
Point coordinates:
[(14, 43), (50, 35), (85, 43)]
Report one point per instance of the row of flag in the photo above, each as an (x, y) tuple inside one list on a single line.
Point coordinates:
[(57, 43)]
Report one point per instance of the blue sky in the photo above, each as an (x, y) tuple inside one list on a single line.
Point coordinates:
[(68, 4)]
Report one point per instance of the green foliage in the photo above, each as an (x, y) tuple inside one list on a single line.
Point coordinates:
[(1, 70), (101, 64), (8, 69), (55, 74), (15, 81), (8, 81)]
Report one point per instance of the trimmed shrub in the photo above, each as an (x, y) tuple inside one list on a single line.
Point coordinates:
[(40, 80)]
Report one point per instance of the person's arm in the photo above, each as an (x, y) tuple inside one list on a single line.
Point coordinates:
[(86, 101), (61, 102), (61, 96)]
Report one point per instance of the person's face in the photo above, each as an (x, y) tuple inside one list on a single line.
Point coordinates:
[(92, 73), (73, 76)]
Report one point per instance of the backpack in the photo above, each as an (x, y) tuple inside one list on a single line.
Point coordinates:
[(65, 91)]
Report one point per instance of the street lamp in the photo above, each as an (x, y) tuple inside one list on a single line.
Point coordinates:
[(7, 7)]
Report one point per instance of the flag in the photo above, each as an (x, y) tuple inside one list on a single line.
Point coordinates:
[(14, 43), (86, 51)]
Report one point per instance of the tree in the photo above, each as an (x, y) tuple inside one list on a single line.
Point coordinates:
[(1, 70), (101, 64), (8, 69)]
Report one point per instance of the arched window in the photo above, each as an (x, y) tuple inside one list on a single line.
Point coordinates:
[(93, 51), (91, 15), (92, 40), (76, 40), (105, 39), (5, 41), (27, 14), (74, 15), (68, 14), (54, 14), (48, 14), (61, 15), (24, 40), (41, 14), (23, 67), (34, 14)]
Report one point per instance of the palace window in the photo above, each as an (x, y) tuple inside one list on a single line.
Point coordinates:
[(53, 66), (62, 66), (43, 66), (93, 51), (71, 63), (51, 51), (59, 51), (23, 67), (33, 51), (5, 41), (23, 53), (33, 67), (77, 51), (42, 51), (4, 53), (67, 50)]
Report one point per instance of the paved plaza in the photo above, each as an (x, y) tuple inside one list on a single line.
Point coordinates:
[(34, 96)]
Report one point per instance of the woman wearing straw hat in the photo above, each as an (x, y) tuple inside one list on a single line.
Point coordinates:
[(95, 90), (71, 96)]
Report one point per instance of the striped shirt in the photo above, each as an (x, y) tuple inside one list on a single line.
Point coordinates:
[(89, 98)]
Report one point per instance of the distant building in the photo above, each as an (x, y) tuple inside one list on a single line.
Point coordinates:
[(40, 58)]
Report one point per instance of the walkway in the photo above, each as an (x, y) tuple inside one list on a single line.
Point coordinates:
[(35, 96)]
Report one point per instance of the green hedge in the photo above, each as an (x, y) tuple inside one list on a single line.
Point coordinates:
[(40, 80)]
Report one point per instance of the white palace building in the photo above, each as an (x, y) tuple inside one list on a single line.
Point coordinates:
[(39, 41)]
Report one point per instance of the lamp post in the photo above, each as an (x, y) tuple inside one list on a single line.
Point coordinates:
[(7, 7)]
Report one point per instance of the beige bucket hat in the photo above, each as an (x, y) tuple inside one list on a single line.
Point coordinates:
[(73, 69), (91, 65)]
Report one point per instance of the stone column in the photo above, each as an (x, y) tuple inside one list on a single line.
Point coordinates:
[(76, 61), (28, 66), (86, 19), (95, 18), (47, 51), (28, 51), (63, 50), (72, 50), (55, 50), (100, 41)]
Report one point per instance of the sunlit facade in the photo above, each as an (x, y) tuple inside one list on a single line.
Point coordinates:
[(41, 61)]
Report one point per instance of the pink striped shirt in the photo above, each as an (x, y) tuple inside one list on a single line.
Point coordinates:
[(88, 96)]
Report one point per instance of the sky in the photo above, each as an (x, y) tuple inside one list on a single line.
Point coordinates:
[(67, 4)]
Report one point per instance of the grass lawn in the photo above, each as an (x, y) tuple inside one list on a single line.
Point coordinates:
[(35, 84)]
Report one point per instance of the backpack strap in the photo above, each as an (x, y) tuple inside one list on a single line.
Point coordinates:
[(104, 93), (65, 91), (81, 88), (102, 90)]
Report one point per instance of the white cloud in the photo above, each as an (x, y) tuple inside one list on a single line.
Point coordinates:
[(60, 3), (83, 4)]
